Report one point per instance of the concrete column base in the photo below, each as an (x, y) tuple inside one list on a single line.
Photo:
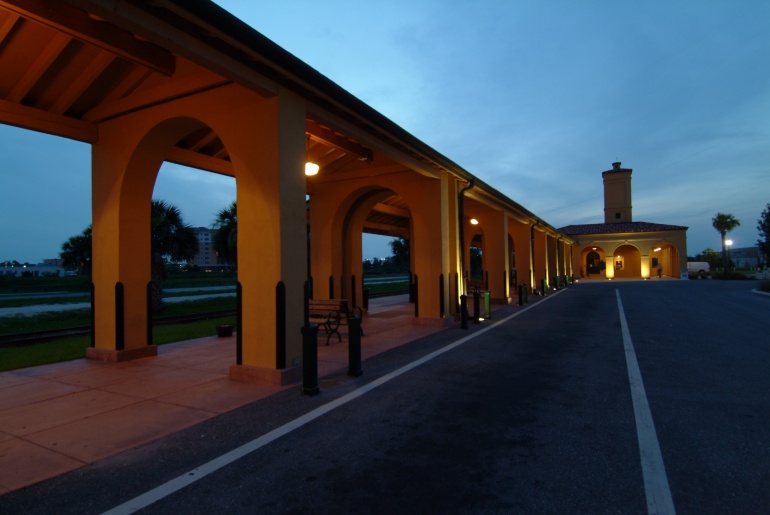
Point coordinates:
[(265, 376), (432, 322), (116, 356)]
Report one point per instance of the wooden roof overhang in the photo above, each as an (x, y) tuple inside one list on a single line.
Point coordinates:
[(70, 64)]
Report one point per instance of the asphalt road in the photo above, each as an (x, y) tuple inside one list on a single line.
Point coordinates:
[(533, 415)]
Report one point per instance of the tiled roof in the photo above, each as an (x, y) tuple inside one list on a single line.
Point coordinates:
[(619, 228)]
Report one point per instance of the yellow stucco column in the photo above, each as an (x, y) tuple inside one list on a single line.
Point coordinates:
[(539, 258), (125, 162), (268, 155), (551, 270), (265, 141), (495, 224), (450, 249), (519, 231)]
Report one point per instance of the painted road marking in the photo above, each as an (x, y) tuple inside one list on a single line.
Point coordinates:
[(188, 478), (656, 487)]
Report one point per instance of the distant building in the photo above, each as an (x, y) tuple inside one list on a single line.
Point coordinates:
[(744, 258), (207, 254), (41, 270), (622, 248)]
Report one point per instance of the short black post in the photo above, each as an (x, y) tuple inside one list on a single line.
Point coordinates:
[(463, 312), (416, 297), (238, 319), (310, 360), (457, 292), (280, 326), (366, 299), (120, 329), (149, 313), (354, 346), (441, 295), (93, 315), (487, 305), (521, 295), (545, 287), (476, 307)]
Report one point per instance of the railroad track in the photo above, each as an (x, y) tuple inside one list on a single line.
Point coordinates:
[(20, 339)]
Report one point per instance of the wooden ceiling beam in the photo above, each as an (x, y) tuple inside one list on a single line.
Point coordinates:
[(50, 123), (184, 157), (392, 210), (79, 25), (9, 19), (38, 67), (332, 139), (85, 78)]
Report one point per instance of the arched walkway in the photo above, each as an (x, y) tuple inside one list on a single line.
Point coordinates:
[(626, 263), (593, 262)]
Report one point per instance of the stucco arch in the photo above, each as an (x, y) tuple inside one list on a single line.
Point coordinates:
[(593, 261), (347, 231), (337, 213), (625, 262), (664, 258), (264, 138)]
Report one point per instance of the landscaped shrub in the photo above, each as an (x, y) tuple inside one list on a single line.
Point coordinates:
[(730, 276)]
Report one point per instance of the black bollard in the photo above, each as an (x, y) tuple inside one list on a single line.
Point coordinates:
[(521, 295), (354, 346), (476, 307), (310, 360), (463, 312)]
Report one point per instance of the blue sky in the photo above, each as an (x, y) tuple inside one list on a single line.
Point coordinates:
[(536, 98)]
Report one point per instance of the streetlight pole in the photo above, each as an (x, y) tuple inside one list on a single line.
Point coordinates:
[(727, 244)]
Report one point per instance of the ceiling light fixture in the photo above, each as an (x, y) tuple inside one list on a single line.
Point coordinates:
[(310, 167)]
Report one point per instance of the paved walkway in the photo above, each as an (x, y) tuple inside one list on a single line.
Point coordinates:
[(56, 418)]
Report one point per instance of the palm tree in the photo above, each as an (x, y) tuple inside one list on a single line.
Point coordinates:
[(724, 223), (76, 252), (172, 239), (226, 238)]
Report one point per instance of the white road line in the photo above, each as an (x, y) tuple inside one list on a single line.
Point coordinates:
[(656, 487), (176, 484)]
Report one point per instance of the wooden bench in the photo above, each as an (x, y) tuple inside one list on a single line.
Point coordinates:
[(331, 314)]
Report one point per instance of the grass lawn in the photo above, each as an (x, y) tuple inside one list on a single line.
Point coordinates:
[(74, 347)]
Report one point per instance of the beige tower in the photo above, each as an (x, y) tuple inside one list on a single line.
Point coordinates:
[(617, 194)]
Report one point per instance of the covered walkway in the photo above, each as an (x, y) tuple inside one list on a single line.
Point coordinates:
[(46, 411)]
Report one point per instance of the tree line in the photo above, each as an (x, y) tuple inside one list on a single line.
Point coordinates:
[(724, 223)]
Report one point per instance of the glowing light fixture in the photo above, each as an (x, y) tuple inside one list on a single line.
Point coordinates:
[(474, 221), (657, 250), (310, 167)]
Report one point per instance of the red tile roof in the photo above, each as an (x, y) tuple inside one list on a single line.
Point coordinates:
[(618, 228)]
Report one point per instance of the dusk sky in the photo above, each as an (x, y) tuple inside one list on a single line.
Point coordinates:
[(536, 98)]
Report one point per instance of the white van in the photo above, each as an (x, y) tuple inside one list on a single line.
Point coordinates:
[(700, 268)]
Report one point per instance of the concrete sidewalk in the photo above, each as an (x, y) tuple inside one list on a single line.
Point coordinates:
[(56, 418)]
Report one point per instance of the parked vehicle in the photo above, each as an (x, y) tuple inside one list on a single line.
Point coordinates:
[(699, 268)]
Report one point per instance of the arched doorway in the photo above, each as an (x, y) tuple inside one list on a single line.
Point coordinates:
[(664, 260), (593, 262), (371, 210), (626, 262)]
